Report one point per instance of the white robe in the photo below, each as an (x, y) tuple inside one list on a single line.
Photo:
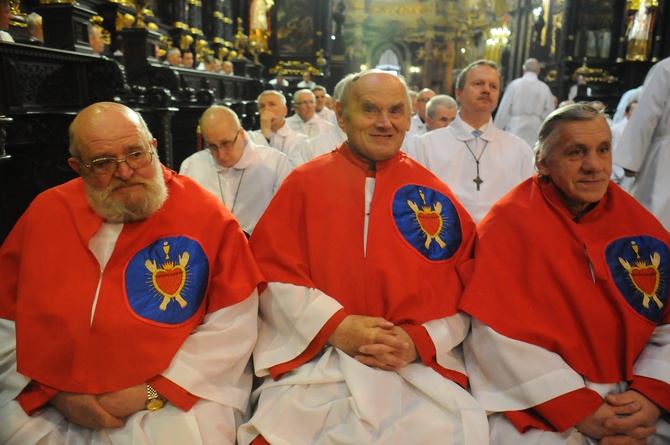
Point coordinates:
[(416, 126), (327, 114), (334, 399), (221, 380), (505, 161), (543, 375), (644, 146), (524, 106), (6, 37), (628, 96), (245, 188), (313, 127), (321, 144), (285, 140)]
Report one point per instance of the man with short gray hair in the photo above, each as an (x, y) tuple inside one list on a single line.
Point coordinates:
[(274, 132), (305, 120), (525, 104)]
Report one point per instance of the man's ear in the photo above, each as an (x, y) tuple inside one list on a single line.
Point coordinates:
[(541, 165), (75, 165), (339, 113)]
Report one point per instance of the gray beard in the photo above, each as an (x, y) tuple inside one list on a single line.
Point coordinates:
[(115, 211)]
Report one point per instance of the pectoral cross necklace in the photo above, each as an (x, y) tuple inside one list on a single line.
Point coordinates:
[(478, 180)]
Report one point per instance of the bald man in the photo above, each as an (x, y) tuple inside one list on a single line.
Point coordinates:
[(359, 336), (419, 119), (119, 340), (243, 175)]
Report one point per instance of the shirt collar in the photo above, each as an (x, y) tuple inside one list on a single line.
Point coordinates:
[(463, 131)]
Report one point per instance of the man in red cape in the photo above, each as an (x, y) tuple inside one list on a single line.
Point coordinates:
[(359, 336), (570, 340), (128, 312)]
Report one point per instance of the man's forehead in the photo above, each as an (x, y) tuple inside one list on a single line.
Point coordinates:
[(269, 99), (483, 71)]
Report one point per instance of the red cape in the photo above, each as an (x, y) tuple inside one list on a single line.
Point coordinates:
[(544, 279), (311, 235), (52, 279)]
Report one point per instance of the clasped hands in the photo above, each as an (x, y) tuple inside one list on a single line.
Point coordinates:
[(375, 342), (101, 411), (623, 419)]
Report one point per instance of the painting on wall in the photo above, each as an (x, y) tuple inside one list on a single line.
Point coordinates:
[(295, 27)]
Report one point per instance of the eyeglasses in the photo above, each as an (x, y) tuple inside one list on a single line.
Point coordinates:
[(108, 166), (224, 145), (305, 102)]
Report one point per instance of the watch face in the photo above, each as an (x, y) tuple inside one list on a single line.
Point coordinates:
[(154, 404)]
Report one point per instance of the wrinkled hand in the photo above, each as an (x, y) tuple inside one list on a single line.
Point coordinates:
[(624, 419), (357, 331), (388, 357), (84, 410), (267, 118), (124, 402), (637, 425)]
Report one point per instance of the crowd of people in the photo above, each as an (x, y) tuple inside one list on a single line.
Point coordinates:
[(380, 272)]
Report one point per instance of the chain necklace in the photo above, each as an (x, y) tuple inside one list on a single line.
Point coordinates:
[(478, 180), (239, 186)]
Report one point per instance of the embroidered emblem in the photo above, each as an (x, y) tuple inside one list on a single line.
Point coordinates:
[(640, 267), (170, 279), (645, 277), (166, 281), (428, 221)]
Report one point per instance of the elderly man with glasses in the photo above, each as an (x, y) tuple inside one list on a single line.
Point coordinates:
[(120, 286), (243, 175), (305, 120)]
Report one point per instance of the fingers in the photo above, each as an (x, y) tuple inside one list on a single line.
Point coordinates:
[(621, 399), (375, 362), (622, 440), (102, 419)]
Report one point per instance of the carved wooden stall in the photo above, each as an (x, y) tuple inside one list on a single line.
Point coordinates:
[(42, 88), (612, 43)]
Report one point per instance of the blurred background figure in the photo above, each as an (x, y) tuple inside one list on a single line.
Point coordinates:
[(96, 39), (227, 68), (35, 28), (5, 17)]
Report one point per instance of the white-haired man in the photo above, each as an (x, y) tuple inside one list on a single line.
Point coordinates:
[(441, 110), (274, 130), (305, 120)]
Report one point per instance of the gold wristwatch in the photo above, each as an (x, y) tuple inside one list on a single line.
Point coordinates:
[(154, 400)]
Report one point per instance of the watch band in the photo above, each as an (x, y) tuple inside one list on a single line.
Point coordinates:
[(154, 400)]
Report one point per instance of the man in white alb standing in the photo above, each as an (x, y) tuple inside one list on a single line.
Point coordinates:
[(525, 104), (478, 161)]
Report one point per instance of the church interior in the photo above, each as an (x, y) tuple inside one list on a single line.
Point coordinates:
[(612, 44)]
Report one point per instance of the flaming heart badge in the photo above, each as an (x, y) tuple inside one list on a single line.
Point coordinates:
[(430, 220), (169, 278), (645, 276)]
